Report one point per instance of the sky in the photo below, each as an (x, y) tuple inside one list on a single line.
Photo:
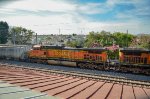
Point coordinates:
[(77, 16)]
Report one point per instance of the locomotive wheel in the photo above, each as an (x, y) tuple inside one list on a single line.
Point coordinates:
[(117, 68), (91, 66), (86, 65), (81, 65), (136, 70), (44, 61), (148, 72), (100, 67)]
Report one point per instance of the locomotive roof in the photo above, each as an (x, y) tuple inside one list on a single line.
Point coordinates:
[(51, 47), (134, 50), (18, 46), (97, 48), (70, 48), (6, 45)]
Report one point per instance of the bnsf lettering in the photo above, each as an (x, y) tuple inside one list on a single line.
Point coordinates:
[(92, 57)]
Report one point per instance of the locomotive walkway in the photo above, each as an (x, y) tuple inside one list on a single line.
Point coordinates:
[(22, 83)]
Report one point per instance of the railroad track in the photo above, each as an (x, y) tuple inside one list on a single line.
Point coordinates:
[(98, 77), (131, 76)]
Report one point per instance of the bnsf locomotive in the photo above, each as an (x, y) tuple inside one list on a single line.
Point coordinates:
[(130, 60), (81, 57), (135, 60)]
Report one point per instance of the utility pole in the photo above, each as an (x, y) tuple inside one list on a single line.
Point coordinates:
[(81, 32), (36, 38), (127, 39), (0, 35), (59, 31), (14, 38), (59, 38)]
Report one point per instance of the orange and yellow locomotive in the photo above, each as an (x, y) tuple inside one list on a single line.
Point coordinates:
[(135, 60), (82, 57)]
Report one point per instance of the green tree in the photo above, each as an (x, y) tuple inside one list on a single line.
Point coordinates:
[(74, 34), (90, 39), (106, 38), (103, 38), (3, 32), (71, 43), (20, 35), (123, 39), (141, 41), (74, 43)]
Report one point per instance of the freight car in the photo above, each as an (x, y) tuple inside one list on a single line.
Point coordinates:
[(14, 52), (135, 60), (79, 57)]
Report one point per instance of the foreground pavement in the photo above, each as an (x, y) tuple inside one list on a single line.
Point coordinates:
[(29, 84)]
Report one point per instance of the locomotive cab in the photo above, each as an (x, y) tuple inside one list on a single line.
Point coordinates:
[(135, 59), (37, 54), (134, 56)]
